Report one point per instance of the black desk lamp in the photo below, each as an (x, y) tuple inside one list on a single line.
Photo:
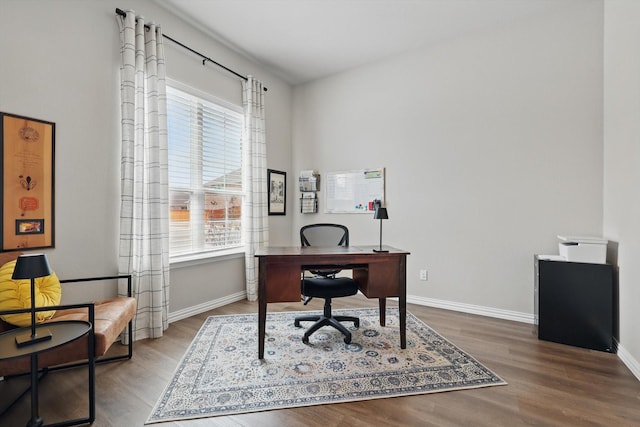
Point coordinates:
[(380, 213), (31, 266)]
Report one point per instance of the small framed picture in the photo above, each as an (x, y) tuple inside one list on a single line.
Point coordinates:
[(277, 182), (29, 226)]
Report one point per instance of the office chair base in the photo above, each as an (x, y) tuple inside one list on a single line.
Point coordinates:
[(333, 321)]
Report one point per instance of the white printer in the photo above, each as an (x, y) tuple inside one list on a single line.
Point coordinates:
[(583, 249)]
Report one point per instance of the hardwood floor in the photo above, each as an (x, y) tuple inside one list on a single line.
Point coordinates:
[(549, 384)]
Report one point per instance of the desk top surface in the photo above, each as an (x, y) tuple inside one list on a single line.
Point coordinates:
[(326, 250)]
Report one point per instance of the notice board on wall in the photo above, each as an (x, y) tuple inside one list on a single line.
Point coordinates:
[(354, 191)]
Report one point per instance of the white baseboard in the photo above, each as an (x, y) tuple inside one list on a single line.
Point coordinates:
[(629, 361), (429, 302), (472, 309), (206, 306)]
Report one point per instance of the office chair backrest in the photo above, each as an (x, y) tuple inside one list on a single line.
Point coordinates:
[(324, 235)]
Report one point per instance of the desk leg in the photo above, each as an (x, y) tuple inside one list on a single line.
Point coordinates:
[(35, 418), (262, 305), (262, 320), (402, 305), (383, 311), (402, 301)]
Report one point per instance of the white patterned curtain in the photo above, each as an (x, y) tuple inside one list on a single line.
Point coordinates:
[(144, 210), (255, 220)]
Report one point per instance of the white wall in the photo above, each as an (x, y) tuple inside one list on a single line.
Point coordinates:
[(622, 163), (492, 145), (40, 42)]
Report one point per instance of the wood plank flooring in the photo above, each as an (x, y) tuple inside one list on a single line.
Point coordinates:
[(549, 384)]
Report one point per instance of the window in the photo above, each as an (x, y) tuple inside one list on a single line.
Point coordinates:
[(205, 174)]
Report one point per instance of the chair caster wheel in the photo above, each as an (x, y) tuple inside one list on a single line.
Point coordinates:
[(347, 340), (356, 324), (305, 340), (296, 323)]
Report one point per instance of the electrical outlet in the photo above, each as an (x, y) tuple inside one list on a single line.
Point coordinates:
[(423, 275)]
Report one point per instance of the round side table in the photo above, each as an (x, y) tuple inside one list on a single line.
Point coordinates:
[(62, 333)]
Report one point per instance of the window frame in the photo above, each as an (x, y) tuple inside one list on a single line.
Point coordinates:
[(208, 255)]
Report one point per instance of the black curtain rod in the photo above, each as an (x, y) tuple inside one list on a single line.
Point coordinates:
[(204, 58)]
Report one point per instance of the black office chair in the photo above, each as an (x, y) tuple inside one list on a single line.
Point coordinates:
[(324, 283)]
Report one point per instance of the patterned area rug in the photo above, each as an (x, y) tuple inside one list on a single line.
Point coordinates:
[(220, 374)]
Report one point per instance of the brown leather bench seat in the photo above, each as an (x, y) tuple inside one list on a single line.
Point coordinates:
[(112, 316)]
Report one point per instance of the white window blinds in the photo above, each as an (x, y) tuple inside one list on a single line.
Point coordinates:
[(205, 174)]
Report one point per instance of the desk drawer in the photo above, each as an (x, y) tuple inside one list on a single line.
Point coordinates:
[(284, 283), (379, 280)]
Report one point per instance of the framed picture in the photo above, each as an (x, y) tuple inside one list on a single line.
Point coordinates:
[(277, 181), (29, 226), (27, 182)]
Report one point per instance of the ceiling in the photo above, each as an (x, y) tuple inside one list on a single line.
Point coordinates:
[(303, 40)]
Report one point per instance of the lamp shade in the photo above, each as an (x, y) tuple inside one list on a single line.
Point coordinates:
[(30, 266), (380, 213)]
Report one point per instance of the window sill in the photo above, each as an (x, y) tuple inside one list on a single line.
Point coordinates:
[(206, 257)]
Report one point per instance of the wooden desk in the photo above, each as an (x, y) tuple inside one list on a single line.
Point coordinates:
[(379, 274)]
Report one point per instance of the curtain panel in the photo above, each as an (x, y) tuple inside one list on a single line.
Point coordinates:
[(255, 222), (144, 210)]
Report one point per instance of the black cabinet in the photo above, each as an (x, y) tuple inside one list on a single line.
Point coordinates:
[(574, 303)]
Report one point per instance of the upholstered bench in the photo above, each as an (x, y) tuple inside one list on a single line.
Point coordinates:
[(111, 318)]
